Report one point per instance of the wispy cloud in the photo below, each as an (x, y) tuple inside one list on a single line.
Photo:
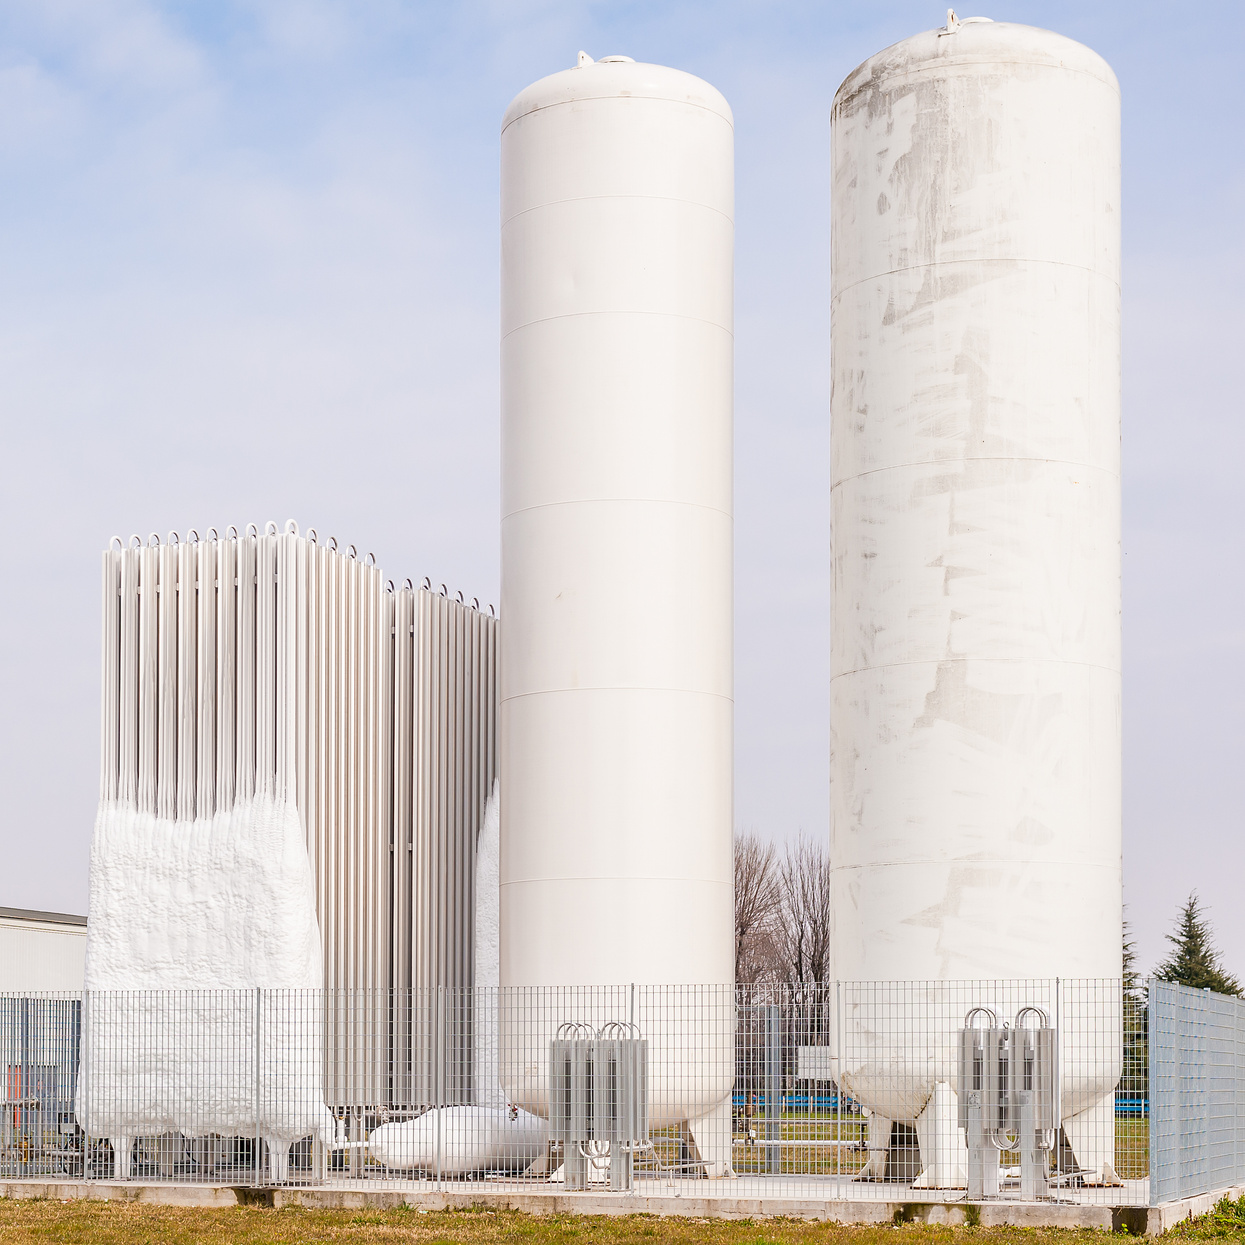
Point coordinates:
[(249, 259)]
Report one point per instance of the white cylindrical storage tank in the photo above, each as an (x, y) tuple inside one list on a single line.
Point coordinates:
[(975, 434), (616, 603)]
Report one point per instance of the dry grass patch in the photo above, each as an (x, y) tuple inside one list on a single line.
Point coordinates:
[(129, 1223)]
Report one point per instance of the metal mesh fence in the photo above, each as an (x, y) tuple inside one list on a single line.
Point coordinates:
[(1196, 1054), (1021, 1090)]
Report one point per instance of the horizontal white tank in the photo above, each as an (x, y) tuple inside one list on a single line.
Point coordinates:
[(975, 432), (616, 708)]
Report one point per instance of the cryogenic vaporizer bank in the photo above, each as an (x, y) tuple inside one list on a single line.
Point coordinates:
[(975, 431), (296, 761)]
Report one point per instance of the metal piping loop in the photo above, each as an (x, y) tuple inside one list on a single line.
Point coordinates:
[(981, 1011), (619, 1028)]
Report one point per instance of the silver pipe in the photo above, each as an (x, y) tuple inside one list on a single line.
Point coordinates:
[(226, 672), (206, 667), (186, 646)]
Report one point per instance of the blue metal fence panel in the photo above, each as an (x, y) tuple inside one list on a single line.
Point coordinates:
[(1197, 1091)]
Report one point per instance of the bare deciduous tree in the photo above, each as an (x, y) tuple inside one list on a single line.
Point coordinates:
[(804, 930), (782, 912), (757, 907)]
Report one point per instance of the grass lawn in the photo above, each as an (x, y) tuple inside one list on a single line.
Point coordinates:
[(106, 1223)]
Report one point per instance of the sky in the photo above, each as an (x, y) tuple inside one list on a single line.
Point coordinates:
[(249, 271)]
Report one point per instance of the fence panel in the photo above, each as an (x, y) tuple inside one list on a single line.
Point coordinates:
[(845, 1090), (1197, 1091)]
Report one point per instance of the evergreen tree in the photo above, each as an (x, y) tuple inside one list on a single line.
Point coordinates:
[(1136, 1062), (1132, 978), (1194, 961)]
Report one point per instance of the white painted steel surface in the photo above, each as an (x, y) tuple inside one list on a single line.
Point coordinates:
[(616, 710), (41, 950), (975, 430), (616, 673)]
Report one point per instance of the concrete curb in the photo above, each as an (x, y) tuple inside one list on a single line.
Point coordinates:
[(1139, 1220)]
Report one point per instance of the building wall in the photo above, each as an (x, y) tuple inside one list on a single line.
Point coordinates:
[(41, 950)]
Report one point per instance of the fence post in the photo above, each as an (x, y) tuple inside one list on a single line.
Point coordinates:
[(1148, 1095), (1057, 1090), (1238, 1088), (82, 1107), (259, 1145), (1238, 1101), (439, 1073), (838, 1084), (773, 1086)]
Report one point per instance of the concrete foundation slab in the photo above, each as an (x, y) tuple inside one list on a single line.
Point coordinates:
[(1147, 1220)]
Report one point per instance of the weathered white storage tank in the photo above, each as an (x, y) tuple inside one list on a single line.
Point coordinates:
[(616, 647), (975, 431)]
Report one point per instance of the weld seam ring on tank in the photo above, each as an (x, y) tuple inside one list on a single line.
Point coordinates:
[(634, 877), (647, 501), (1080, 863), (977, 458), (536, 207), (611, 311), (620, 687), (960, 657), (728, 117), (960, 61), (955, 56), (1002, 261)]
